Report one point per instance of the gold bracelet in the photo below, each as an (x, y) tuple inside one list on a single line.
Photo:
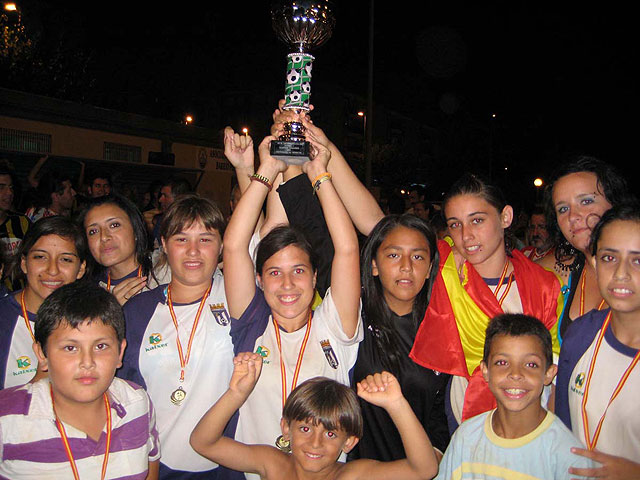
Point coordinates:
[(323, 178), (262, 179)]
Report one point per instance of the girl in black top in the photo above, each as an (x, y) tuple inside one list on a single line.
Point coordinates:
[(397, 260)]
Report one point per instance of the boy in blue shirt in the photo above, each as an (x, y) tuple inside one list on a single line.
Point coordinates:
[(519, 439)]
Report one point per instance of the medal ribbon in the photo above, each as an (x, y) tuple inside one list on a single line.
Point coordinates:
[(65, 440), (591, 443), (582, 284), (25, 315), (109, 277), (185, 360), (296, 372), (502, 277)]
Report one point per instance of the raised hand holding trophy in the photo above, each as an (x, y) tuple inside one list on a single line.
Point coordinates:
[(302, 25)]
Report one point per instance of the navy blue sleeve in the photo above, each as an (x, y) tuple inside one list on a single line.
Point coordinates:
[(8, 319), (251, 324), (577, 339)]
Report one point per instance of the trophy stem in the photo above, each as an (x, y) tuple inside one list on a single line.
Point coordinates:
[(297, 92)]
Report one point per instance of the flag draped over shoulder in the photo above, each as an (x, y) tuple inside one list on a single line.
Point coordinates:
[(451, 336)]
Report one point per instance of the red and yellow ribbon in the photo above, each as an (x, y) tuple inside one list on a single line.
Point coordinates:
[(65, 440), (296, 372), (25, 315), (591, 442), (109, 277), (185, 360)]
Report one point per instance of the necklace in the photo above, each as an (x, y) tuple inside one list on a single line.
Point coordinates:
[(591, 442), (281, 443), (179, 394), (65, 440)]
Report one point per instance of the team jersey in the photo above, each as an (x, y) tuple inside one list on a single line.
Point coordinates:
[(620, 434), (18, 363), (152, 360)]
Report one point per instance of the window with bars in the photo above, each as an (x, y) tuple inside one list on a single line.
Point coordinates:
[(24, 141), (122, 153)]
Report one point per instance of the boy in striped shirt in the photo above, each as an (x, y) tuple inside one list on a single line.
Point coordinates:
[(80, 422)]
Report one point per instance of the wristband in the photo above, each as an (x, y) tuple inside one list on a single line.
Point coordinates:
[(319, 181), (262, 179)]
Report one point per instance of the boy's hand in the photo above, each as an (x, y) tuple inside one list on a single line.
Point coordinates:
[(246, 371), (613, 468), (238, 149), (381, 389)]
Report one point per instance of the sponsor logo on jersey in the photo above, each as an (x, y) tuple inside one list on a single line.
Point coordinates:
[(264, 353), (578, 383), (155, 342), (155, 338), (23, 362)]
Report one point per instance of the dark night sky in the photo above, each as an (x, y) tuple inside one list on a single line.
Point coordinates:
[(558, 77)]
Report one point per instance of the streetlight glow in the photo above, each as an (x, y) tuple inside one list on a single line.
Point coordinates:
[(538, 182), (361, 114), (10, 7)]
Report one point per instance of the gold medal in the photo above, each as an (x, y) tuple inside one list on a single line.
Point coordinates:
[(283, 445), (178, 396)]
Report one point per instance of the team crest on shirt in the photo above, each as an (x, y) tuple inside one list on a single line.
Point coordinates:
[(220, 314), (329, 354), (264, 353), (578, 383)]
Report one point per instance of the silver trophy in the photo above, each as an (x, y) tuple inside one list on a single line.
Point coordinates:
[(302, 25)]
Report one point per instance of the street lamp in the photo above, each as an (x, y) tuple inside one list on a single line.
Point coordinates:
[(10, 7), (188, 119), (245, 130), (538, 183)]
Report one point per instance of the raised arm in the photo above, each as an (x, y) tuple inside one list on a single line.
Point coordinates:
[(239, 151), (345, 268), (207, 439), (383, 390), (361, 205), (239, 275)]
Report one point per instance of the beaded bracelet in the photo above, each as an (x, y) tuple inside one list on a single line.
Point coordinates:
[(262, 179), (320, 179)]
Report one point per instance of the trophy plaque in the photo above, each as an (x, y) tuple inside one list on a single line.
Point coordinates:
[(302, 25)]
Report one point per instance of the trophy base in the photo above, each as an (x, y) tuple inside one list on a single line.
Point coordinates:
[(291, 153)]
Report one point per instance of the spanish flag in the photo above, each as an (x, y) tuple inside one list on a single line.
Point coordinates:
[(451, 336)]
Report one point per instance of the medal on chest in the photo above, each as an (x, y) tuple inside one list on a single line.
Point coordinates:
[(281, 443), (179, 394)]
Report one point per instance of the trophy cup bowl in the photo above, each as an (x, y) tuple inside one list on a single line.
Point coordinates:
[(303, 26)]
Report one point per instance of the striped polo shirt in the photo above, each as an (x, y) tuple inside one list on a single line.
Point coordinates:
[(31, 445)]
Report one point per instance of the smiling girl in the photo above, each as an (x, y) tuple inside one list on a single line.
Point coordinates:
[(275, 319), (582, 191), (598, 377), (178, 343), (117, 237), (480, 277), (51, 254)]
